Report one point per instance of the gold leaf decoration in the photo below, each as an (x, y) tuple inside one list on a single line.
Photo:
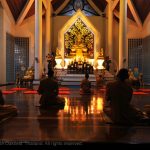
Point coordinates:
[(87, 37)]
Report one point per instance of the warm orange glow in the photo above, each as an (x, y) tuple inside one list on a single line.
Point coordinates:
[(66, 108), (68, 25), (79, 112), (100, 104)]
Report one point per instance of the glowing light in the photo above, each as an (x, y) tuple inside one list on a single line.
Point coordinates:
[(68, 25), (100, 104), (78, 112)]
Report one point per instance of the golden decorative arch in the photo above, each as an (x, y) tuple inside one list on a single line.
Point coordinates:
[(61, 35), (79, 37)]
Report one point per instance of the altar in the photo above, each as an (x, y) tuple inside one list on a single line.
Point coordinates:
[(67, 62), (79, 42)]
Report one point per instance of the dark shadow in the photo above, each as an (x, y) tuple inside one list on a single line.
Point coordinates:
[(1, 130), (49, 123), (85, 102), (117, 133), (50, 112)]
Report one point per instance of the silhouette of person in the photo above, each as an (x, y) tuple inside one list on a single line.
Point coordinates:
[(100, 81), (48, 89), (1, 98), (106, 63), (119, 95), (85, 86)]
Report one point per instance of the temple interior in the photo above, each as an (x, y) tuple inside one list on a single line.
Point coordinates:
[(73, 38)]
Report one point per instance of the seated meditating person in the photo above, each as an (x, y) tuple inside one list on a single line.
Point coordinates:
[(1, 98), (85, 86), (6, 111), (100, 81), (48, 89), (119, 95)]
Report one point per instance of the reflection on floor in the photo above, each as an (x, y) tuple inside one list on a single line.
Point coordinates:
[(82, 119)]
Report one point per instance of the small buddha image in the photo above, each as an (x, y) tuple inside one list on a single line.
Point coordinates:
[(79, 46), (101, 53)]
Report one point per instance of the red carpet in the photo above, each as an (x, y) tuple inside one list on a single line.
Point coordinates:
[(103, 90), (35, 92), (8, 92), (139, 93), (18, 89), (30, 92), (144, 90), (64, 92), (64, 89)]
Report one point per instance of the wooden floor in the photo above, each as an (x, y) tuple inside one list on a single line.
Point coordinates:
[(80, 122)]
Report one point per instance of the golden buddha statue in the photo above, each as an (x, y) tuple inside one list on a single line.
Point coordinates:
[(79, 47)]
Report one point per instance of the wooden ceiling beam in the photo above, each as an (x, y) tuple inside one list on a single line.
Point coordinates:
[(45, 3), (24, 12), (94, 7), (147, 19), (134, 13), (114, 4), (61, 7), (8, 11), (116, 13)]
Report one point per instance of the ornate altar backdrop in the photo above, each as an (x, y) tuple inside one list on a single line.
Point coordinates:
[(78, 39)]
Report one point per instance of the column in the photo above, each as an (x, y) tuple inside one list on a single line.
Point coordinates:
[(110, 29), (2, 47), (47, 30), (122, 34), (47, 34), (38, 39)]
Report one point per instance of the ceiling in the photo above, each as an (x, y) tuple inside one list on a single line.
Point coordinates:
[(142, 7)]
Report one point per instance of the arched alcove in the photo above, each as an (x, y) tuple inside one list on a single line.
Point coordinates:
[(91, 28)]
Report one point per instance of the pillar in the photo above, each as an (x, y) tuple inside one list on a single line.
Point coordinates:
[(110, 29), (38, 39), (122, 34), (47, 30)]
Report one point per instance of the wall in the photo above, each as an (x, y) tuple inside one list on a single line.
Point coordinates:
[(146, 61), (26, 29), (59, 21), (146, 27), (1, 44), (133, 31), (5, 27)]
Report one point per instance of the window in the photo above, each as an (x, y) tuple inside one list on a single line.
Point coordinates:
[(17, 56), (75, 5)]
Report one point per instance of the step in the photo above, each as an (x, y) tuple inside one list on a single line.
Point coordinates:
[(75, 83)]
